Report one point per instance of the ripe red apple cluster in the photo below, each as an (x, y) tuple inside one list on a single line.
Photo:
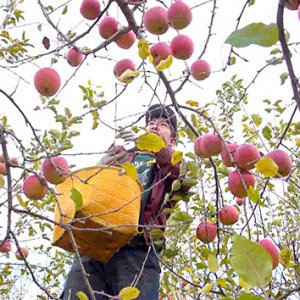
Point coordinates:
[(243, 158), (12, 161), (55, 171), (7, 247)]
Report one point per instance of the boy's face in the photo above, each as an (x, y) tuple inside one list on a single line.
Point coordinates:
[(162, 127)]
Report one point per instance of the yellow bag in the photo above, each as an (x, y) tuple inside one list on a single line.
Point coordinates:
[(109, 214)]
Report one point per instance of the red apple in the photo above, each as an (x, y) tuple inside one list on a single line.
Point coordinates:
[(122, 66), (283, 161), (246, 156), (271, 248), (200, 69), (47, 81), (24, 251), (74, 57), (108, 26), (55, 169), (160, 51), (198, 147), (179, 15), (211, 144), (182, 47), (2, 168), (6, 247), (34, 187), (239, 183), (126, 40), (155, 20), (14, 161), (90, 9), (206, 231), (225, 155), (228, 215), (239, 201)]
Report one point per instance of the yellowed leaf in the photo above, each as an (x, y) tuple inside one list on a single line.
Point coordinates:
[(129, 293), (244, 284), (2, 182), (267, 167), (165, 63), (285, 257), (181, 133), (207, 288), (20, 199), (221, 282), (192, 103), (150, 142), (150, 58), (177, 157), (82, 296), (144, 50), (298, 142), (128, 75), (213, 263), (130, 170)]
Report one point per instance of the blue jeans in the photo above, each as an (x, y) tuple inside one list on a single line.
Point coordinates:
[(117, 273)]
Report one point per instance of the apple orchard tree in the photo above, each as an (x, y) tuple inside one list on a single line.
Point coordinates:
[(76, 72)]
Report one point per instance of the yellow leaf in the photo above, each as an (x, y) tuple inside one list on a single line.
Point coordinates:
[(2, 182), (130, 170), (205, 113), (192, 103), (128, 75), (298, 142), (82, 296), (267, 167), (144, 50), (165, 63), (128, 293), (150, 142), (213, 263), (256, 118), (244, 284), (176, 157), (221, 282), (22, 203), (285, 257), (181, 133), (150, 59), (207, 288)]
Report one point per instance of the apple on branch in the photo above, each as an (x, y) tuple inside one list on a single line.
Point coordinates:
[(34, 187), (24, 251), (179, 15), (55, 169), (182, 47), (90, 9), (47, 81), (206, 231), (6, 247), (155, 20)]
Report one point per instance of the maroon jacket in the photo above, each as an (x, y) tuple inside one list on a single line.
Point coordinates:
[(154, 211)]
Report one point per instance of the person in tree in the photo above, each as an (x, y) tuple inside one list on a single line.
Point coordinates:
[(156, 173)]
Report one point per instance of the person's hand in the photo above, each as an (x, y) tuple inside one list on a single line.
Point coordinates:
[(127, 135), (115, 155)]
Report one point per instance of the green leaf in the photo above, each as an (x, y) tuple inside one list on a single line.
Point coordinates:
[(253, 195), (77, 198), (251, 261), (255, 33), (213, 263), (82, 296), (129, 293), (150, 142), (267, 132), (249, 296)]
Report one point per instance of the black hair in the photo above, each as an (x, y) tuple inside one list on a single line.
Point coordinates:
[(158, 111)]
